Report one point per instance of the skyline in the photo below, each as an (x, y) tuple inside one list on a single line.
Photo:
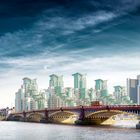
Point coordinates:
[(63, 37), (29, 97), (89, 84)]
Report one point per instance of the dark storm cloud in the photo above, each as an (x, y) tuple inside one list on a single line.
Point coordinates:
[(20, 14), (55, 27), (41, 37)]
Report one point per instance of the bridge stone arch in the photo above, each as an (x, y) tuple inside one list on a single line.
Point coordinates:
[(63, 117), (108, 116), (2, 117), (34, 117), (108, 113), (15, 117)]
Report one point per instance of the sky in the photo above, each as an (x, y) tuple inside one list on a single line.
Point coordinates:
[(100, 38)]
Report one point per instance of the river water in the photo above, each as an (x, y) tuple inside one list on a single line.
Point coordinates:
[(38, 131)]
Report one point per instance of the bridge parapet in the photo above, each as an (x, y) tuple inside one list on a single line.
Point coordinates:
[(80, 111)]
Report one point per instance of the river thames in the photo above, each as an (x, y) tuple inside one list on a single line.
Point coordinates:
[(38, 131)]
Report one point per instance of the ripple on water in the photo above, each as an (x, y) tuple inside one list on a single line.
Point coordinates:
[(36, 131)]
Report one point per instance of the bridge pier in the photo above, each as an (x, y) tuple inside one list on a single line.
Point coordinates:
[(45, 119), (82, 114), (24, 116), (81, 120)]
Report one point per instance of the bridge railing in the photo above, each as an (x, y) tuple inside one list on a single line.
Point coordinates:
[(97, 107)]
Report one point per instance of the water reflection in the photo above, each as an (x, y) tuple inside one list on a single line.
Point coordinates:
[(37, 131)]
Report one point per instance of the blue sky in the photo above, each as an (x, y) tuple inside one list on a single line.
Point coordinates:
[(37, 38)]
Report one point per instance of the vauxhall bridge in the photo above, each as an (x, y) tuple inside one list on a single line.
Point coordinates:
[(81, 115)]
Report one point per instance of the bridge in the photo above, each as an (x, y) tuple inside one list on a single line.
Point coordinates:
[(4, 113), (100, 114)]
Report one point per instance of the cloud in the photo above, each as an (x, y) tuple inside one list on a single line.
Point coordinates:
[(115, 69), (68, 25), (57, 33), (63, 42), (68, 64)]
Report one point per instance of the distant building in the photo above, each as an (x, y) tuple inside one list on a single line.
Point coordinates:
[(56, 81), (101, 88), (138, 90), (57, 94), (133, 89), (98, 84), (119, 92), (55, 101), (79, 81), (80, 86), (121, 98), (19, 101), (91, 94), (28, 97)]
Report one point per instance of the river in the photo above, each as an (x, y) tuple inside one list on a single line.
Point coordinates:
[(38, 131)]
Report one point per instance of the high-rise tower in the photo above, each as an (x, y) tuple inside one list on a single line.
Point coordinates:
[(133, 89), (80, 84)]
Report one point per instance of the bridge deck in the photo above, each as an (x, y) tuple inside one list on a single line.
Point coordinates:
[(96, 108)]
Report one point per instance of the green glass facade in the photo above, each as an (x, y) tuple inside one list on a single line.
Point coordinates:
[(29, 97)]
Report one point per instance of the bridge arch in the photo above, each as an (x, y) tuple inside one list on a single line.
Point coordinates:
[(109, 116), (34, 117), (63, 117), (108, 113), (16, 117)]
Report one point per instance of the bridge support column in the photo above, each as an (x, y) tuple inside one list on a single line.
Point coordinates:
[(82, 120), (24, 116), (45, 119), (46, 114), (82, 114)]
